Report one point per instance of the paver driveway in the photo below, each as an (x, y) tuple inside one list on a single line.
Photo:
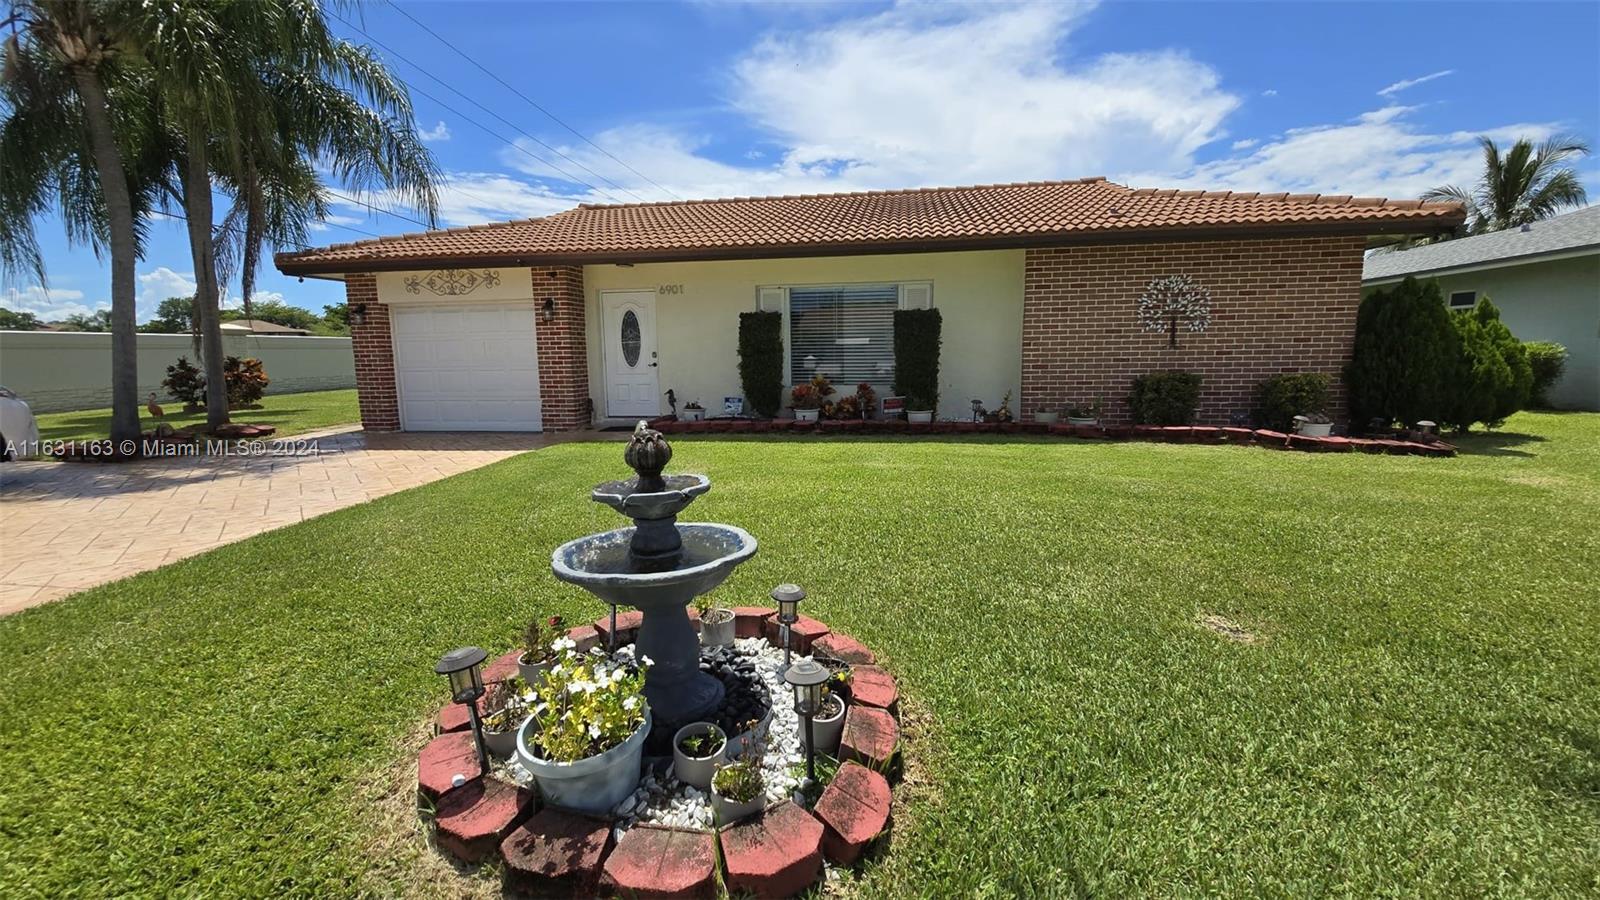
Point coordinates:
[(65, 527)]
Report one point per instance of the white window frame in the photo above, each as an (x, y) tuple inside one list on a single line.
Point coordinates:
[(914, 294), (1450, 299)]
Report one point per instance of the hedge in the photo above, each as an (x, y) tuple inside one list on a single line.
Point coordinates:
[(917, 335), (1282, 397), (761, 361), (1548, 360), (1165, 398)]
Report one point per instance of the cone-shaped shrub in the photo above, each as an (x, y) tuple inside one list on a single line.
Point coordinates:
[(1495, 377), (761, 360), (1405, 356)]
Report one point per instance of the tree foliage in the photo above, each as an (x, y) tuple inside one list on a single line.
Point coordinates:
[(1405, 356), (1282, 397), (18, 320), (1495, 379), (1525, 184), (761, 360)]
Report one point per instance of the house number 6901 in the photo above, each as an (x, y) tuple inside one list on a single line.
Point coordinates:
[(669, 289)]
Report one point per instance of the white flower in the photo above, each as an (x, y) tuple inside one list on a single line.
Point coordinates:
[(594, 730), (563, 643), (631, 703), (646, 660)]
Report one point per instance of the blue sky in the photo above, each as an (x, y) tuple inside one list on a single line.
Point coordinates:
[(724, 99)]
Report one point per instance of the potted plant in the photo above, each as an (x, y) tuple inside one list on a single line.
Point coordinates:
[(693, 411), (1084, 414), (918, 410), (716, 623), (538, 647), (808, 399), (828, 724), (696, 750), (1003, 414), (867, 399), (585, 737), (1046, 416), (737, 789), (1313, 425), (505, 708)]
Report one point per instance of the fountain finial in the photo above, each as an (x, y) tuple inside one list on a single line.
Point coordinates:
[(647, 454)]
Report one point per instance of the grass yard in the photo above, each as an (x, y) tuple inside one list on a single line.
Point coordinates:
[(291, 413), (1421, 715)]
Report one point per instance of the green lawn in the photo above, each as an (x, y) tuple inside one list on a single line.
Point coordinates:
[(1422, 717), (291, 413)]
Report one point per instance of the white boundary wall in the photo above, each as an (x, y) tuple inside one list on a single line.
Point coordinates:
[(64, 370)]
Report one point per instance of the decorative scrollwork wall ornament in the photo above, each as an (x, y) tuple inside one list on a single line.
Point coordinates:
[(1174, 300), (452, 282)]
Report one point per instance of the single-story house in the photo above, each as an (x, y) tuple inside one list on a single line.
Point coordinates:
[(590, 315), (1544, 277)]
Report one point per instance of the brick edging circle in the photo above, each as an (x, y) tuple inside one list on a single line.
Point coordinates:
[(778, 852)]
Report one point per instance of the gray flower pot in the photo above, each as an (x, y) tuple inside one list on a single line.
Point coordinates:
[(697, 770), (1046, 418), (594, 785), (727, 811), (532, 672), (1082, 420), (501, 744), (919, 416), (716, 628), (826, 732)]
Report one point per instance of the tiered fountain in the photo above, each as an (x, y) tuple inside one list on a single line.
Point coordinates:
[(658, 567)]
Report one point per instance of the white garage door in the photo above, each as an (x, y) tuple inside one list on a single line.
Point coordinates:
[(467, 367)]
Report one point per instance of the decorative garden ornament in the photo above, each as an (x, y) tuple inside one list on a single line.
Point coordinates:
[(1173, 300)]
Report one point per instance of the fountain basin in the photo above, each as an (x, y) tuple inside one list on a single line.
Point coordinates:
[(601, 564), (626, 498)]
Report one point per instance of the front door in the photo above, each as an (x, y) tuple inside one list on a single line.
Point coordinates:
[(629, 321)]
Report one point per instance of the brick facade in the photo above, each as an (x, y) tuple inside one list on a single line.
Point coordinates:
[(1278, 305), (374, 352), (563, 348)]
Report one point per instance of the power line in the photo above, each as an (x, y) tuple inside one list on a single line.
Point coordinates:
[(374, 208), (234, 230), (564, 173), (529, 100)]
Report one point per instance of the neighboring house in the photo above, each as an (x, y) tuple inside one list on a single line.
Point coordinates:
[(537, 323), (1544, 277), (258, 327)]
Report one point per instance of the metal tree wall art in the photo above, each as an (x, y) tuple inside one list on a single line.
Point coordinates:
[(1173, 300)]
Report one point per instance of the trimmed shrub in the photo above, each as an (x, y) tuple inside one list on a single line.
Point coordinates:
[(917, 334), (761, 361), (1548, 360), (1404, 362), (246, 380), (1165, 398), (1282, 397), (185, 383), (1496, 379)]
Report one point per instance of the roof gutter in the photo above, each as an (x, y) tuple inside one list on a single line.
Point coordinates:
[(291, 264)]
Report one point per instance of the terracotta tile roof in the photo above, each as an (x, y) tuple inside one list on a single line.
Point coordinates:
[(997, 215)]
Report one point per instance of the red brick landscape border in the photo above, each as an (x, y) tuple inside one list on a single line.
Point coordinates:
[(1170, 434), (776, 853)]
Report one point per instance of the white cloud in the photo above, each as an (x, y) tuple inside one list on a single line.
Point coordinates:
[(1404, 83), (49, 304), (1270, 92), (1380, 153), (438, 133), (159, 284), (1245, 144)]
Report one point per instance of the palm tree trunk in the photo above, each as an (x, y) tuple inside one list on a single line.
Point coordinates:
[(119, 217), (197, 209)]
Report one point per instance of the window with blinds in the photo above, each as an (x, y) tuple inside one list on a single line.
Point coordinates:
[(845, 332)]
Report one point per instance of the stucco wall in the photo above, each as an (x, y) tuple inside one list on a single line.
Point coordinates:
[(56, 370), (979, 294), (1556, 301)]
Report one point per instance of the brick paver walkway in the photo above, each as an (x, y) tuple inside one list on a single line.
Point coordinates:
[(65, 527)]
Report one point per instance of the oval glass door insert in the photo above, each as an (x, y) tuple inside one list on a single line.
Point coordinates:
[(632, 341)]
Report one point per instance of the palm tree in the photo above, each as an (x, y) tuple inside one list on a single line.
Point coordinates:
[(260, 93), (1526, 184), (64, 138)]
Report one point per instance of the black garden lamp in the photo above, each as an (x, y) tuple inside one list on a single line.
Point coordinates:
[(788, 597), (807, 678), (463, 666)]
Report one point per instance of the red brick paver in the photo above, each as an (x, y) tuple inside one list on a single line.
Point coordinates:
[(472, 821), (557, 853), (445, 757), (775, 854), (855, 810), (652, 861)]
